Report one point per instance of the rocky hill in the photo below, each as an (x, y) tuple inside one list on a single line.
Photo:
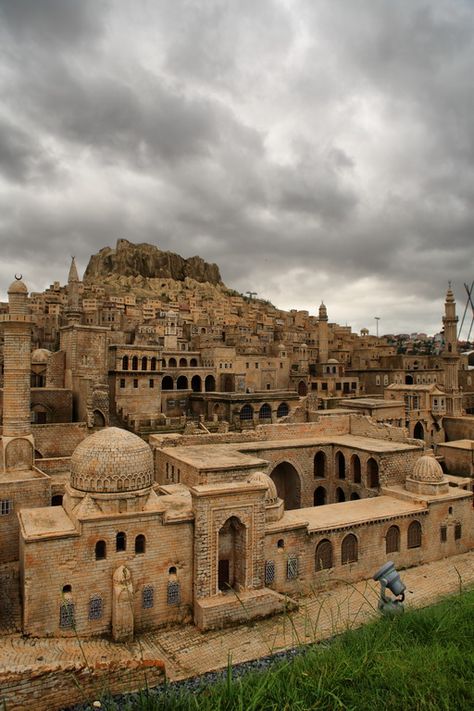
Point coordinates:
[(150, 262)]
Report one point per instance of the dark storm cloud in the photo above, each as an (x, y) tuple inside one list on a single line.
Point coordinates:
[(313, 148)]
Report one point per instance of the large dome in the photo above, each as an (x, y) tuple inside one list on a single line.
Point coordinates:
[(427, 468), (112, 461)]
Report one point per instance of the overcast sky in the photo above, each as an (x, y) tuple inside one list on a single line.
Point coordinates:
[(314, 149)]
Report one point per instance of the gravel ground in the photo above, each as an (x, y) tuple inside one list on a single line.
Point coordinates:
[(195, 684)]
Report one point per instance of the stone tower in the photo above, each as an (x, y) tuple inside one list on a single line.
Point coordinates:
[(451, 356), (17, 451), (73, 311), (323, 334)]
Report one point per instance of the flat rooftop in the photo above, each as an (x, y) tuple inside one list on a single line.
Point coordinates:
[(44, 522), (21, 475), (353, 441), (459, 444), (346, 514), (215, 456)]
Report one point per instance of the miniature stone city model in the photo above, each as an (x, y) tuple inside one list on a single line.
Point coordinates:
[(209, 466)]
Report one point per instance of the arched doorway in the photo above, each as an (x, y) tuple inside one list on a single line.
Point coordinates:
[(340, 465), (419, 432), (196, 384), (355, 469), (354, 496), (231, 567), (167, 383), (99, 419), (319, 496), (408, 379), (288, 485), (302, 388), (228, 384), (372, 473), (182, 383), (340, 496), (183, 363), (210, 384)]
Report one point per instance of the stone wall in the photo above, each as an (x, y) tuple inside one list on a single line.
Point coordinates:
[(60, 439), (458, 427), (49, 688)]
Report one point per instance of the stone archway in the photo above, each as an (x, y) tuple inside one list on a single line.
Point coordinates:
[(418, 431), (288, 485), (232, 556), (98, 418), (302, 388)]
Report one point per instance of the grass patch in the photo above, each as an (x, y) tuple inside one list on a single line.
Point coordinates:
[(423, 659)]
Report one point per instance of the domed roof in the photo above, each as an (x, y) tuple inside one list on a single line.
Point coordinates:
[(333, 360), (427, 468), (261, 478), (40, 355), (17, 287), (112, 460)]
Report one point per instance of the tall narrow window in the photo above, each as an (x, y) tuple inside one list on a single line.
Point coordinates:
[(414, 535), (392, 540), (140, 544), (269, 572), (457, 531), (323, 555), (292, 567), (100, 550), (349, 549), (148, 597), (95, 607), (121, 541)]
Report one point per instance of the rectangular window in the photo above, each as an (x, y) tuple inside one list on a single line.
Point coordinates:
[(269, 572), (338, 386), (135, 383), (324, 386), (6, 507), (443, 534), (148, 597), (457, 532), (173, 597), (152, 383), (122, 382), (95, 607), (292, 568), (66, 615)]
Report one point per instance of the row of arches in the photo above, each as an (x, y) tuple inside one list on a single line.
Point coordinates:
[(324, 553), (320, 496), (264, 413), (152, 363), (355, 469), (183, 383), (120, 545)]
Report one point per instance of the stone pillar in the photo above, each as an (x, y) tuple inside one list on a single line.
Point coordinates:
[(17, 440)]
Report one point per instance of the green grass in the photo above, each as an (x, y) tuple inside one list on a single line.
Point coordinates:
[(423, 659)]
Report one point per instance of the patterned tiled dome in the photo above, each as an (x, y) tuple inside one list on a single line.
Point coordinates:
[(427, 468), (112, 461), (271, 494)]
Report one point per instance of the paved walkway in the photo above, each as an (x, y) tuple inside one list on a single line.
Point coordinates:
[(188, 652)]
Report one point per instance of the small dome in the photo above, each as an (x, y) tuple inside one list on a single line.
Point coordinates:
[(427, 468), (333, 360), (112, 460), (17, 287), (40, 356), (271, 494), (281, 347)]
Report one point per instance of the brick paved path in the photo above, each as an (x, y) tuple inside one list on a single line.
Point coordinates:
[(188, 652)]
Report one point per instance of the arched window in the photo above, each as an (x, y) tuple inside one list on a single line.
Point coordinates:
[(210, 384), (100, 550), (319, 465), (265, 412), (125, 363), (414, 535), (349, 553), (340, 495), (172, 363), (302, 388), (144, 363), (340, 465), (135, 363), (372, 473), (283, 410), (57, 500), (319, 498), (140, 544), (167, 383), (183, 363), (196, 384), (246, 413), (95, 607), (323, 556), (153, 363), (67, 615), (182, 383), (355, 469), (354, 496), (193, 363), (121, 541), (392, 540)]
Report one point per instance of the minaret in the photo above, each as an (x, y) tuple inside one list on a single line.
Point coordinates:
[(450, 356), (323, 334), (17, 451), (73, 311)]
